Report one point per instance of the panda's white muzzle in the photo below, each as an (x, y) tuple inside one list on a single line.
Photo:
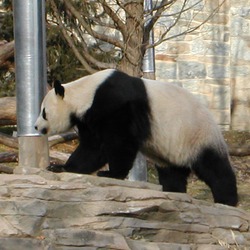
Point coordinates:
[(41, 125)]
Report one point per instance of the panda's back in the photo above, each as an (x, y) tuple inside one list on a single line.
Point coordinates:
[(181, 126)]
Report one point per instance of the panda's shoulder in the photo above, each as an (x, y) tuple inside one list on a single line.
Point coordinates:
[(118, 81)]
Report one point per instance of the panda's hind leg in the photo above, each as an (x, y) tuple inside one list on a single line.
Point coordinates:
[(216, 171), (173, 178)]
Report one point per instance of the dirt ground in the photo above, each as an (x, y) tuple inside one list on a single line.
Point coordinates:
[(196, 188)]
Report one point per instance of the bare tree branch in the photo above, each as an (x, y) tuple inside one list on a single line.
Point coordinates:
[(118, 22), (100, 21), (164, 37), (87, 27), (69, 40), (89, 58)]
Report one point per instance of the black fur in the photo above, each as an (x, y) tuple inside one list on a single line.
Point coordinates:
[(59, 89), (216, 171), (174, 178)]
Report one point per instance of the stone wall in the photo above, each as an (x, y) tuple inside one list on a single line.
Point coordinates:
[(212, 61)]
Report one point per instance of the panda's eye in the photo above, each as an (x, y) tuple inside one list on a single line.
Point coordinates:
[(44, 114)]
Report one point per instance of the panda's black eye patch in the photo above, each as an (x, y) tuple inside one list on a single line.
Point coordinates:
[(44, 114)]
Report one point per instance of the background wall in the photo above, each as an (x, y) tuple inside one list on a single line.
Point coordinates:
[(213, 61)]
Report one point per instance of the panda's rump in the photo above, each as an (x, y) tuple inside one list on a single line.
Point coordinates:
[(181, 127)]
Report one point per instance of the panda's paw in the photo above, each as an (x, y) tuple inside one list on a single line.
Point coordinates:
[(115, 175), (56, 168), (103, 173)]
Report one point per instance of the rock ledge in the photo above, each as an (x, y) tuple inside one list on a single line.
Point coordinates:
[(70, 211)]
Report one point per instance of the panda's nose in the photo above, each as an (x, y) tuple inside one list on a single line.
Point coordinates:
[(36, 128)]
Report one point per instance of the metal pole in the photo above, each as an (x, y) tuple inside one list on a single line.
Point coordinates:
[(149, 57), (139, 170), (30, 69)]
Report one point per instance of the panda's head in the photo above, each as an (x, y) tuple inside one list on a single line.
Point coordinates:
[(55, 115)]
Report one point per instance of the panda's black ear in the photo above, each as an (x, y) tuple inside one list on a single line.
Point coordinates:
[(59, 89)]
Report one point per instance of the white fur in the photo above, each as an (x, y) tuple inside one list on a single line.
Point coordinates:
[(181, 126), (78, 97)]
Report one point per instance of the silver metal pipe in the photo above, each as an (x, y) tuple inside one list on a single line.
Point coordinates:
[(30, 61), (139, 170), (31, 80), (149, 57)]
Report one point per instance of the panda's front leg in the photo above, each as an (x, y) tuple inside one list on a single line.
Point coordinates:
[(121, 155), (84, 160)]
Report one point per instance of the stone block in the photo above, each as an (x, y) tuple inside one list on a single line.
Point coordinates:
[(216, 19), (240, 49), (192, 85), (205, 89), (222, 117), (177, 48), (158, 245), (21, 244), (6, 227), (90, 238), (166, 70), (213, 5), (239, 3), (218, 71), (241, 11), (240, 27), (221, 97), (240, 71), (218, 49), (240, 83), (228, 237), (240, 117), (203, 98), (218, 82), (191, 70), (25, 207), (198, 47), (214, 59), (215, 33), (196, 5)]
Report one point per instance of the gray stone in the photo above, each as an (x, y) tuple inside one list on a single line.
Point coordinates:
[(218, 71), (218, 49), (199, 47), (240, 54), (191, 70), (166, 70), (88, 212), (21, 244), (91, 238)]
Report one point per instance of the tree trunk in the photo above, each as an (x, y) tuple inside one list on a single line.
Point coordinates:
[(8, 140), (7, 111), (6, 169), (131, 62), (61, 138), (8, 157), (6, 51)]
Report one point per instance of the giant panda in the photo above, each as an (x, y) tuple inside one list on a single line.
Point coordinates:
[(118, 115)]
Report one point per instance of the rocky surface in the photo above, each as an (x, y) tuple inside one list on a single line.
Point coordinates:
[(69, 211)]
